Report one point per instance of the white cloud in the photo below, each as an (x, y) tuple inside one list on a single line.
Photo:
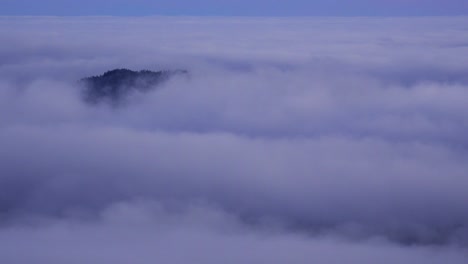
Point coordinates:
[(299, 137)]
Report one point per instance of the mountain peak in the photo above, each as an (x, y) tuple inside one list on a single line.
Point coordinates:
[(115, 85)]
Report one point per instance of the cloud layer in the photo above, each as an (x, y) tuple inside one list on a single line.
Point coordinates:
[(289, 141)]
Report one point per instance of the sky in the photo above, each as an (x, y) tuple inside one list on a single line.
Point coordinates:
[(290, 140), (235, 8)]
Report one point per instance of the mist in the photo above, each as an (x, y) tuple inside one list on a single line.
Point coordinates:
[(290, 140)]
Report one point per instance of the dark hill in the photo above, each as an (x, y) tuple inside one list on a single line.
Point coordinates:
[(113, 86)]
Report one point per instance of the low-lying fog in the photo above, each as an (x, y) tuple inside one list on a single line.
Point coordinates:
[(305, 140)]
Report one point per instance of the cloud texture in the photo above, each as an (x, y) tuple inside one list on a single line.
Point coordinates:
[(291, 141)]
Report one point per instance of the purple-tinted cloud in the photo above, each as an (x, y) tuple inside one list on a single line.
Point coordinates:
[(289, 140)]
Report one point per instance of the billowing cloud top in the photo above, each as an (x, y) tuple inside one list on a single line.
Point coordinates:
[(291, 140)]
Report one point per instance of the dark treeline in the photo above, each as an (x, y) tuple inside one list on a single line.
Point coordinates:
[(113, 86)]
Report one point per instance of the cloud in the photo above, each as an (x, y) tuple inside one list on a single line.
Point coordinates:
[(290, 140), (146, 233)]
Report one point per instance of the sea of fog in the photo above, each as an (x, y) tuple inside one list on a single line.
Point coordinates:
[(290, 140)]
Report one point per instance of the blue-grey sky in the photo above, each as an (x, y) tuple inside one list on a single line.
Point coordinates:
[(238, 7)]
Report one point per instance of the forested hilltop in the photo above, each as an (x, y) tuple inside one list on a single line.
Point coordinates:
[(115, 85)]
